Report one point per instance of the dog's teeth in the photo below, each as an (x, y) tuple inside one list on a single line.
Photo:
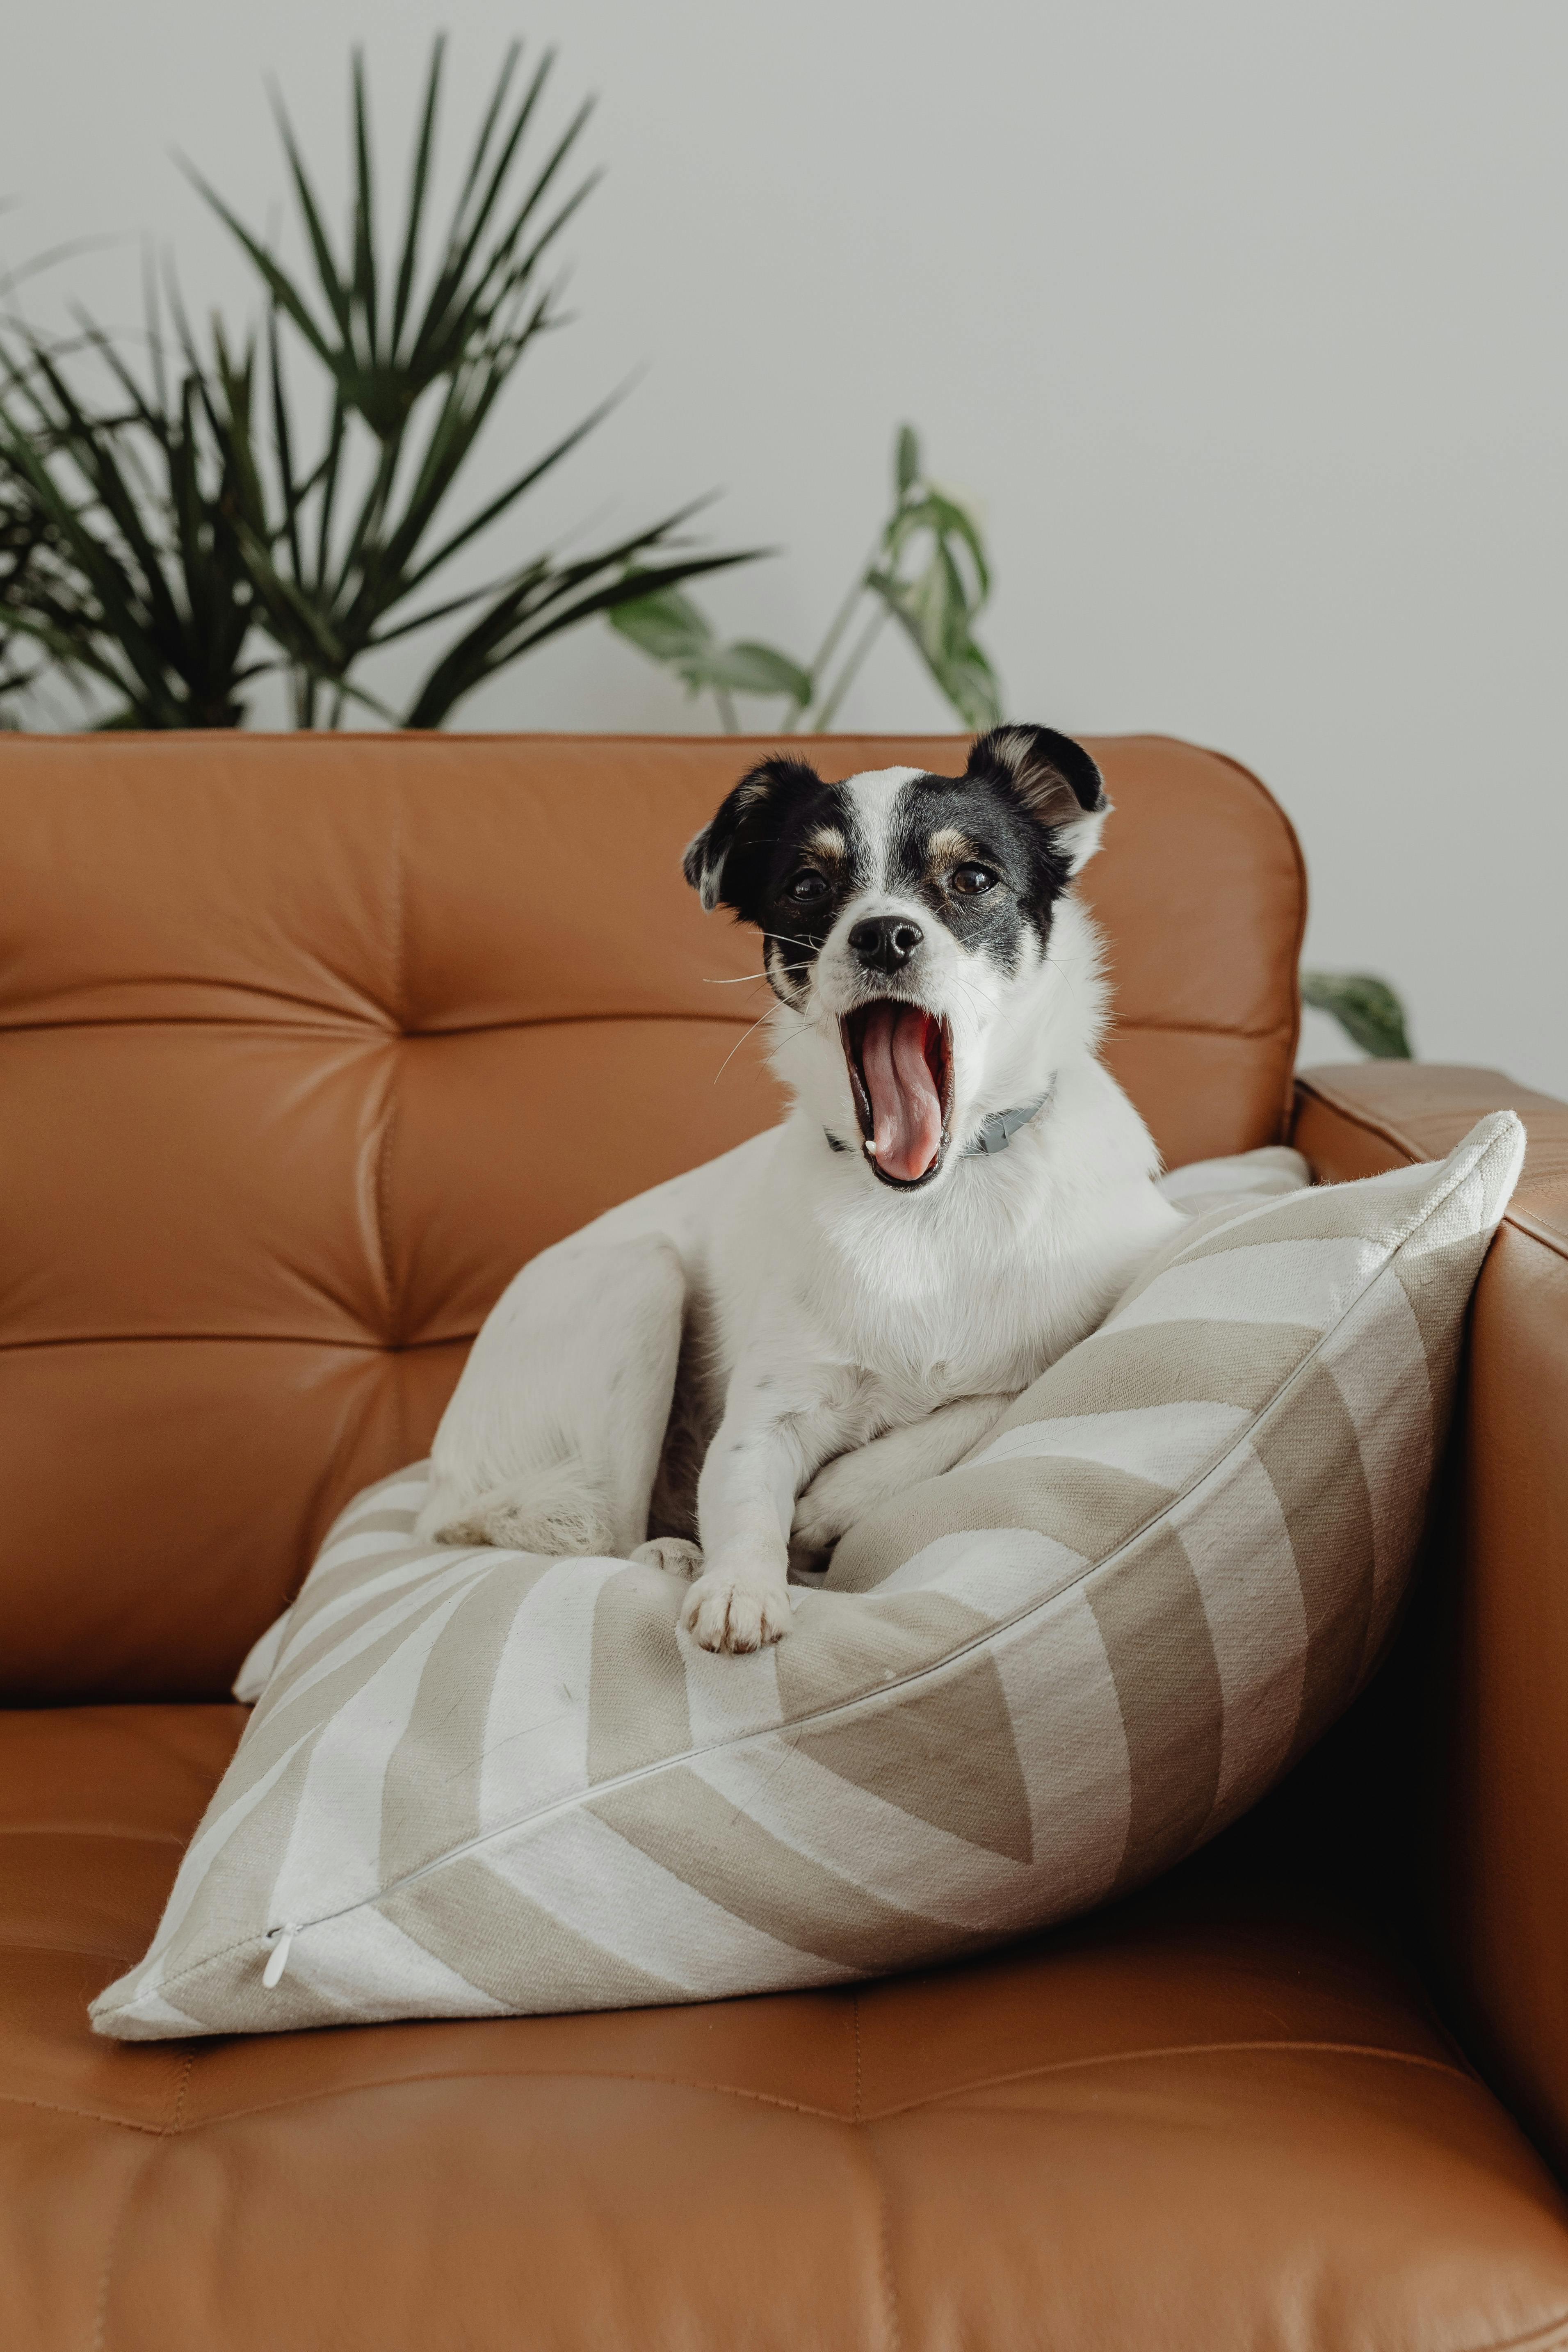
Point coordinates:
[(870, 1149)]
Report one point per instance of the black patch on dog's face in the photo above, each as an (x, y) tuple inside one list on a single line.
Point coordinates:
[(989, 851), (784, 853), (984, 869)]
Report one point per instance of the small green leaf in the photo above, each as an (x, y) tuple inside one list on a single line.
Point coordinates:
[(749, 668), (1366, 1009), (905, 460), (667, 627)]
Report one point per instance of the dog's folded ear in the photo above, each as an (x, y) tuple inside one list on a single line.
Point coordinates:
[(1054, 777), (727, 862)]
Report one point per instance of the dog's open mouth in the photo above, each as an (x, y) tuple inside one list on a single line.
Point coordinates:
[(901, 1074)]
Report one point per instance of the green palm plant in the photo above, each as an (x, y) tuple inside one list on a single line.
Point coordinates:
[(211, 536), (139, 585), (24, 551)]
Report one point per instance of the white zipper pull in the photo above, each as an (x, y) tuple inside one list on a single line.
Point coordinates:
[(278, 1959)]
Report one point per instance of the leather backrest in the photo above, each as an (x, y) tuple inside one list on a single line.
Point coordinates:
[(307, 1043)]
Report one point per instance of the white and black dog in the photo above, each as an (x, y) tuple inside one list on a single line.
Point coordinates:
[(846, 1305)]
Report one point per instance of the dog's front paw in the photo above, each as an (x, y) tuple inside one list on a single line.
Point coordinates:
[(727, 1612), (672, 1553)]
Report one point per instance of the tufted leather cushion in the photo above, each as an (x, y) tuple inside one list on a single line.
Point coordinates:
[(1217, 2120), (305, 1047)]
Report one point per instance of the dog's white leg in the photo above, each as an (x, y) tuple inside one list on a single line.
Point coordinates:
[(776, 1428), (855, 1484), (553, 1438)]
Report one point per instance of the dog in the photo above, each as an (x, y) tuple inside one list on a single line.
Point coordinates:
[(723, 1376)]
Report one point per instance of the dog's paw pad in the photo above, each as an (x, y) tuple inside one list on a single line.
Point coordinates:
[(672, 1553), (736, 1613)]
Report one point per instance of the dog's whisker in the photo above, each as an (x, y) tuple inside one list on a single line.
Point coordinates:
[(738, 1044)]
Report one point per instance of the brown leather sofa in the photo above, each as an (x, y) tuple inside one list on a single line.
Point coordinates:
[(306, 1046)]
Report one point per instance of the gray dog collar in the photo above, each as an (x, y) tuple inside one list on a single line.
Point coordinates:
[(995, 1133)]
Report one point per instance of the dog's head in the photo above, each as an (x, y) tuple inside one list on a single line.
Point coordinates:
[(907, 917)]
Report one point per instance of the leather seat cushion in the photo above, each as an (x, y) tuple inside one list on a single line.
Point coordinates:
[(1204, 2120)]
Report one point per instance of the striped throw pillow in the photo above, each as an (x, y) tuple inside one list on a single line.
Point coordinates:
[(480, 1783)]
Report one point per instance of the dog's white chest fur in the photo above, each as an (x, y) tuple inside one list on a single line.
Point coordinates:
[(966, 1291)]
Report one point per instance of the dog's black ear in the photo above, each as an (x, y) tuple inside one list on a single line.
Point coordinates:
[(727, 862), (1056, 781)]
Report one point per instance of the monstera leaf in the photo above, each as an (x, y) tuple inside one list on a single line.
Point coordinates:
[(928, 572), (670, 628)]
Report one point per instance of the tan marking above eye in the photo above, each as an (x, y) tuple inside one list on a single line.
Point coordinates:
[(948, 846), (828, 842)]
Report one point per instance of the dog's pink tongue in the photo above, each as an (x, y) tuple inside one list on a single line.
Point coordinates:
[(906, 1109)]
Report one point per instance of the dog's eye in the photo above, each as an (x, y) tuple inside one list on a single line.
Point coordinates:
[(808, 886), (973, 881)]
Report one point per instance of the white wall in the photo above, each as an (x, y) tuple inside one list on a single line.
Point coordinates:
[(1245, 320)]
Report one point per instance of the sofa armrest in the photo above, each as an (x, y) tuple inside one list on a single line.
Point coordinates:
[(1494, 1781)]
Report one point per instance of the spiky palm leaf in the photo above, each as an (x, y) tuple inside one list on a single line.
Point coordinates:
[(203, 535), (147, 592), (418, 360)]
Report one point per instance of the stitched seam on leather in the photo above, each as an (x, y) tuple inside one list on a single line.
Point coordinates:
[(937, 2099), (75, 1828), (1277, 1032), (1198, 2049), (531, 1824), (1550, 2338), (383, 1158), (378, 1033), (1536, 2341), (1367, 1120), (855, 2014), (1533, 1230), (1370, 1124), (82, 1951), (445, 2075), (86, 2115), (180, 2089), (1299, 867), (884, 2248), (336, 1026), (105, 2278), (372, 1347)]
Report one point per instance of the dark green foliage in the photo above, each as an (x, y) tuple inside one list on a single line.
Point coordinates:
[(203, 533), (1366, 1009), (138, 580)]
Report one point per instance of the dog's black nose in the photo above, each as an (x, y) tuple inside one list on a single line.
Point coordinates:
[(886, 942)]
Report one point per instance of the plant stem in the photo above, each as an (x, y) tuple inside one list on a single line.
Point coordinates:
[(728, 718), (840, 621), (850, 671)]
